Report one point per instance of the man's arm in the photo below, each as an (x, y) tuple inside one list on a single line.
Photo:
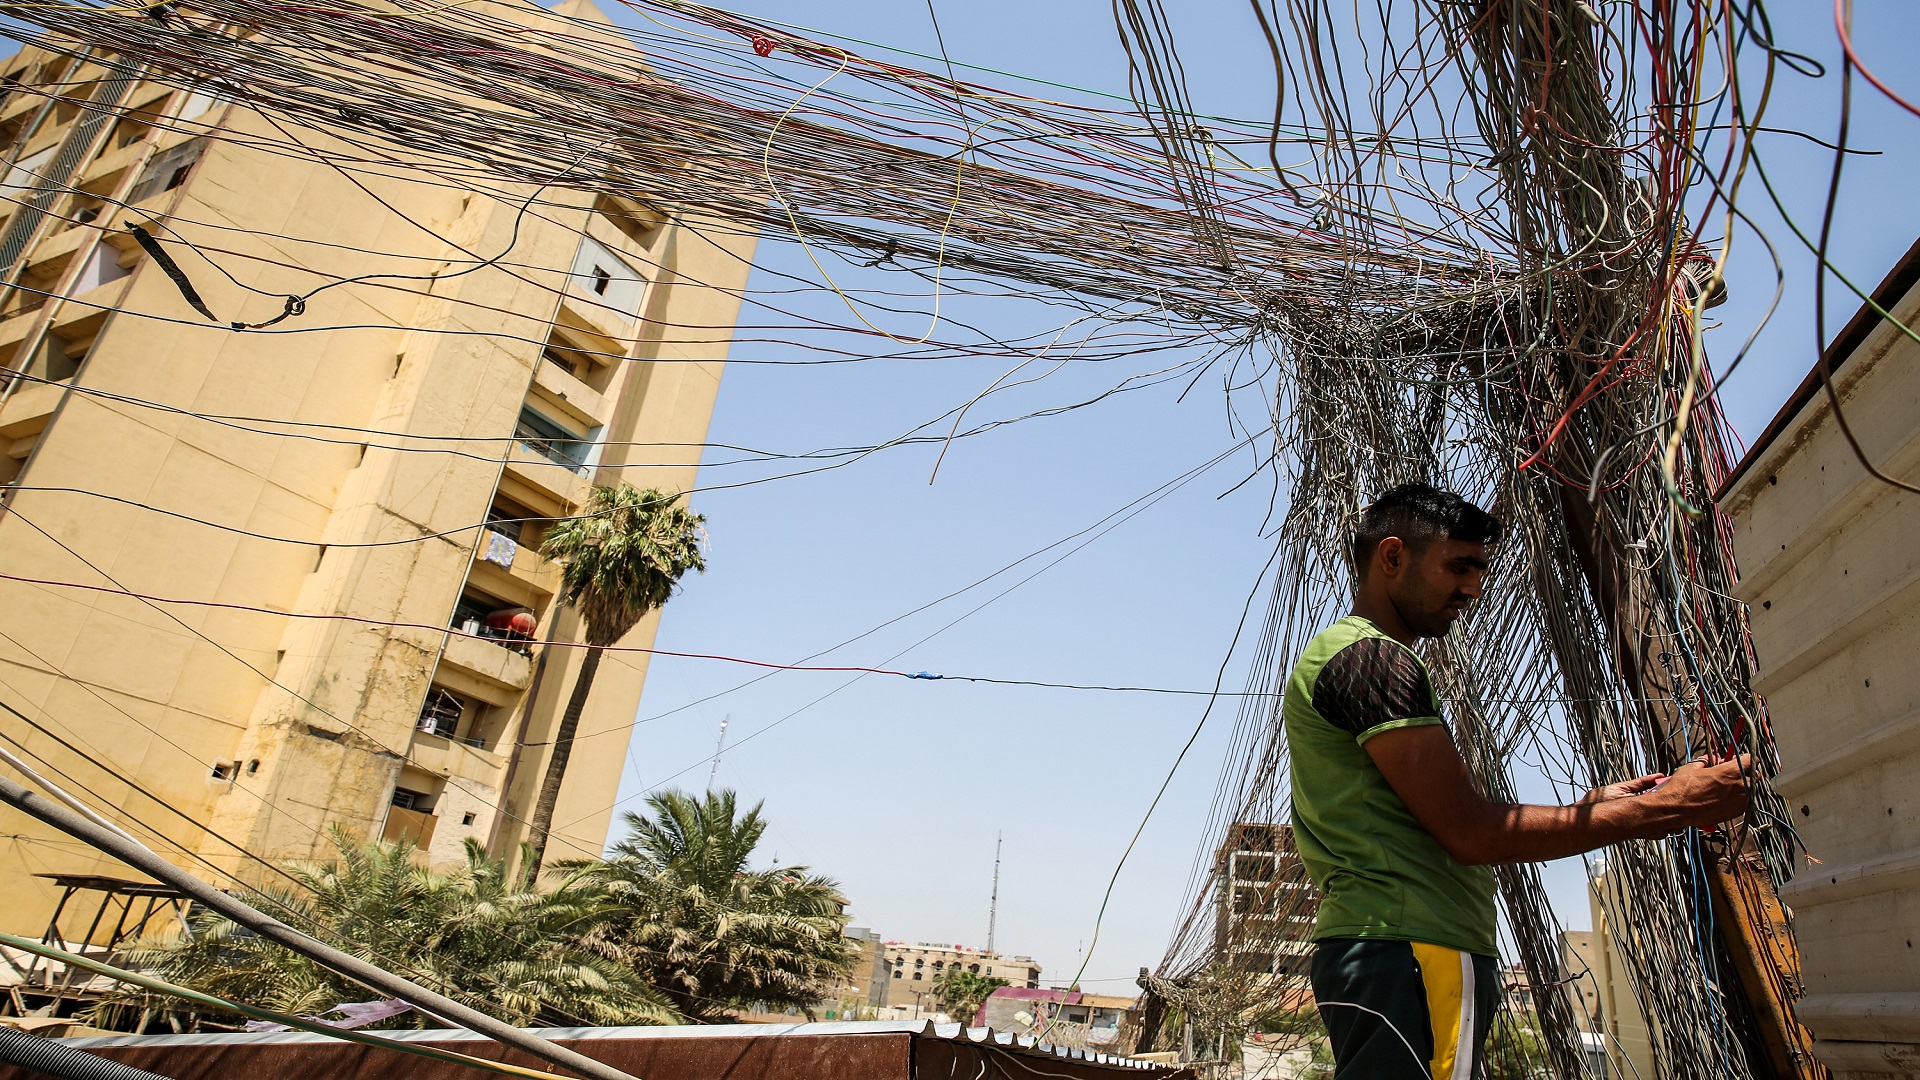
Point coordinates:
[(1426, 771)]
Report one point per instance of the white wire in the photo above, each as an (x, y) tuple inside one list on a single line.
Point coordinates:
[(65, 799), (1396, 1032)]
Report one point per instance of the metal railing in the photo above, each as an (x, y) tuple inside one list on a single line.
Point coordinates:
[(559, 451)]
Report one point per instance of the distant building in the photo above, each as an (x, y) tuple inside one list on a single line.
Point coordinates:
[(867, 985), (1067, 1017), (1623, 1031), (1264, 905), (915, 967), (1579, 963)]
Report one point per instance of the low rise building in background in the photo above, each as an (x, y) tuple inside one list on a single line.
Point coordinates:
[(1061, 1017), (913, 969), (1265, 907)]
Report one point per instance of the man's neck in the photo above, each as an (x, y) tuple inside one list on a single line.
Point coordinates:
[(1381, 613)]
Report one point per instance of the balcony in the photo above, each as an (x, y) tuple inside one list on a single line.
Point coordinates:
[(414, 825), (488, 662), (552, 442), (513, 570), (552, 489), (585, 405), (25, 414), (446, 758)]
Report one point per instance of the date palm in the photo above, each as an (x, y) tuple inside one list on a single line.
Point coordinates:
[(620, 557), (476, 933), (961, 992), (714, 935)]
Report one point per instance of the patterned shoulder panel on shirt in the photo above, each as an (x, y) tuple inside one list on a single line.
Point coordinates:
[(1371, 682)]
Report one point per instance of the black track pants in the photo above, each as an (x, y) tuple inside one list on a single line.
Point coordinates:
[(1400, 1010)]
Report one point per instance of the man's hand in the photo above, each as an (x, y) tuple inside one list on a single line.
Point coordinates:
[(1639, 785), (1425, 770), (1703, 793)]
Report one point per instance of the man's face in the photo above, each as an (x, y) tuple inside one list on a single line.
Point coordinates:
[(1440, 580)]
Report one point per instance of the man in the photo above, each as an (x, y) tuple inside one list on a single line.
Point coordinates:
[(1394, 835)]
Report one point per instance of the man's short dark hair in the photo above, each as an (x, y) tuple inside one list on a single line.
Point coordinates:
[(1420, 514)]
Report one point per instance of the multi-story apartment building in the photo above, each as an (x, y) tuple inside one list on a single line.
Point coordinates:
[(232, 558), (915, 967), (1264, 903)]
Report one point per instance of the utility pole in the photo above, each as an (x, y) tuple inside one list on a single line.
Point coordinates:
[(1547, 165), (993, 904), (718, 745)]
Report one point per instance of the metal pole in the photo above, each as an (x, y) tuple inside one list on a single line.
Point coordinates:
[(385, 982), (993, 904), (719, 745)]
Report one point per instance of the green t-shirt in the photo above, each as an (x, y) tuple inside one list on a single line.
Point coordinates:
[(1380, 874)]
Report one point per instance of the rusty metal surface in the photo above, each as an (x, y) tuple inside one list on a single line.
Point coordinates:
[(836, 1051)]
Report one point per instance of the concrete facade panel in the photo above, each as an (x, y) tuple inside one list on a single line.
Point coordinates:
[(1831, 568)]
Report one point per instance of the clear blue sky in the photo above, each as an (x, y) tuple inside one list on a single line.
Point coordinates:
[(897, 788)]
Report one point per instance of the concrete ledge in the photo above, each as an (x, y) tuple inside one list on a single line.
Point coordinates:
[(1892, 1017), (1830, 884), (1870, 1058), (26, 412)]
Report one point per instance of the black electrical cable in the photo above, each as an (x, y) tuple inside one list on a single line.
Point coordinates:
[(54, 1058)]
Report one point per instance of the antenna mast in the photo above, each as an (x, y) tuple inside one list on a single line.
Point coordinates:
[(718, 745), (993, 905)]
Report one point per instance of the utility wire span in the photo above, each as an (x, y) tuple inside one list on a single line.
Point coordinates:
[(926, 676)]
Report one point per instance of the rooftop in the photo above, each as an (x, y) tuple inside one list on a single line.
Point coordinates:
[(862, 1050)]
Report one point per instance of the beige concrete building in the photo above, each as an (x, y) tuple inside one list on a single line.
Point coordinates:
[(1264, 904), (915, 967), (1579, 964), (1830, 566), (302, 504), (1622, 1027)]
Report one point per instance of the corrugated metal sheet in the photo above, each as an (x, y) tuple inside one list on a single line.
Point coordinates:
[(855, 1050)]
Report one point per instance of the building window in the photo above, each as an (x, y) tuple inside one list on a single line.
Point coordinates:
[(896, 974), (551, 441), (441, 713), (916, 976), (410, 800), (167, 170), (614, 284), (975, 968), (24, 174)]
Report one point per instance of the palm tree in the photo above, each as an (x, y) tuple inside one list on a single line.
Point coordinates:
[(961, 992), (475, 933), (621, 557), (712, 934)]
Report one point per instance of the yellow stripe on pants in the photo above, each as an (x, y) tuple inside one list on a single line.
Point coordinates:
[(1447, 975)]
